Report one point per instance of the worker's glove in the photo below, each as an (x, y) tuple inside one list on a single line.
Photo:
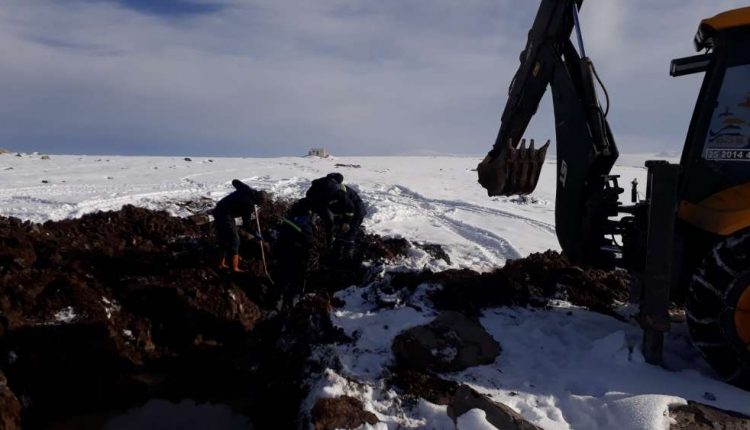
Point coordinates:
[(258, 237), (273, 234), (345, 228)]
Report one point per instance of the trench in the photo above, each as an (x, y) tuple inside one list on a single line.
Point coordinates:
[(122, 316), (156, 414)]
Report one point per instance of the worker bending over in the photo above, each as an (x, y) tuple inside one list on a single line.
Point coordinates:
[(239, 204), (341, 211)]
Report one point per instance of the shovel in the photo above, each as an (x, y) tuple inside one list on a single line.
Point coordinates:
[(262, 250)]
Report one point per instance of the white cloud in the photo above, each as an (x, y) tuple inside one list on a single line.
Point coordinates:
[(269, 77)]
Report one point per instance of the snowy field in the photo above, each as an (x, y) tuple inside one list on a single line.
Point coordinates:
[(435, 199), (566, 368)]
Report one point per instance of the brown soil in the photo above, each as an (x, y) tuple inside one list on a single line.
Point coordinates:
[(424, 385), (434, 250), (458, 398), (10, 407), (533, 280), (696, 416), (340, 413), (117, 307)]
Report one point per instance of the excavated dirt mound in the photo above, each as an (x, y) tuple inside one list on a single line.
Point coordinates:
[(696, 416), (114, 308), (458, 398), (528, 281), (449, 343), (340, 413)]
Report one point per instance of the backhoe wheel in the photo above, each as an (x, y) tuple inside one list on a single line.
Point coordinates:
[(718, 309)]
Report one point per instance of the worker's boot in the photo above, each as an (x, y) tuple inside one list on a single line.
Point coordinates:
[(236, 264), (223, 263)]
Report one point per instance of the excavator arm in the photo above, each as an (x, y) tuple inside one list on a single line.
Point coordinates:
[(586, 150)]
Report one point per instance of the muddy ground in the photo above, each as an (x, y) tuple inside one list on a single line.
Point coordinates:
[(533, 280), (114, 308)]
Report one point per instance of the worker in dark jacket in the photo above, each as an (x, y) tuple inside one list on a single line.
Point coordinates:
[(348, 219), (292, 252), (357, 215), (239, 204), (323, 193)]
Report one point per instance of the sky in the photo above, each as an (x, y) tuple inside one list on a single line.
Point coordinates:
[(358, 77)]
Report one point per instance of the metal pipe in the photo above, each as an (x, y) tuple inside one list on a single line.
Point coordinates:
[(578, 30)]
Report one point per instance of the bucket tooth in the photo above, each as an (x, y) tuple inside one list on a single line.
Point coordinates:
[(513, 170), (538, 161)]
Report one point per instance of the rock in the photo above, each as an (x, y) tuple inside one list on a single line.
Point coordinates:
[(44, 181), (434, 250), (697, 416), (375, 247), (199, 219), (459, 398), (10, 408), (44, 157), (309, 323), (188, 159), (499, 415), (429, 387), (451, 342), (340, 413)]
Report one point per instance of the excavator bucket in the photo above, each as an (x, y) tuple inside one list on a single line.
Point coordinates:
[(513, 171)]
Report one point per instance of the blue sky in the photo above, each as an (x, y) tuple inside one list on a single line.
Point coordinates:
[(275, 77)]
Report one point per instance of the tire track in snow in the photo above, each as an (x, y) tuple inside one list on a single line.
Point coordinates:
[(115, 203), (491, 245), (468, 207)]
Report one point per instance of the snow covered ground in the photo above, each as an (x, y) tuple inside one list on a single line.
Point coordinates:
[(566, 368), (434, 199)]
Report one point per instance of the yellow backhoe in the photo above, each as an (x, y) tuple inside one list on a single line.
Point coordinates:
[(689, 239)]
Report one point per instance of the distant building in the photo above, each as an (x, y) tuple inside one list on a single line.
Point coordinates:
[(318, 152)]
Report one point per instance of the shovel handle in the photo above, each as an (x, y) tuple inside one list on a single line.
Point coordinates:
[(262, 250)]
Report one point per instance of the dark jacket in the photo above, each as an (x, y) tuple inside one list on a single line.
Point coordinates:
[(321, 192), (335, 203), (292, 252), (297, 227), (239, 204), (359, 210), (321, 195)]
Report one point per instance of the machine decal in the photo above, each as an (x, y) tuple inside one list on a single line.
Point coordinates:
[(728, 138), (563, 173)]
